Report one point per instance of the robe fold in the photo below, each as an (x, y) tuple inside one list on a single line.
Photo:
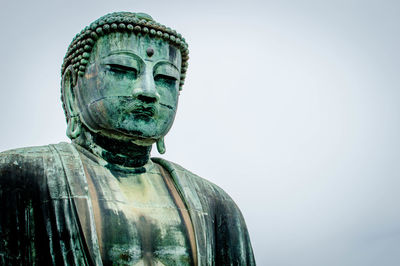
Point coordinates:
[(46, 217)]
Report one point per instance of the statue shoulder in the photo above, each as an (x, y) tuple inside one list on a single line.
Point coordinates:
[(23, 157), (207, 198), (24, 165), (31, 152), (202, 186)]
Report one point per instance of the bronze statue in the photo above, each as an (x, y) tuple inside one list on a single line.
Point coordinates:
[(101, 200)]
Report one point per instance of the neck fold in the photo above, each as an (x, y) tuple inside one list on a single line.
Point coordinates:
[(118, 152)]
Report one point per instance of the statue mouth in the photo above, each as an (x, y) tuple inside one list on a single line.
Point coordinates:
[(129, 106), (142, 110)]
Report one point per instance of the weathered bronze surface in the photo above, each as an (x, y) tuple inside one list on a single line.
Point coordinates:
[(101, 200)]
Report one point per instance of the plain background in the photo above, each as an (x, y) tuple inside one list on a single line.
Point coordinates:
[(291, 106)]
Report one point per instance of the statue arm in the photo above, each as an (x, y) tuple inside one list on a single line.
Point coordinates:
[(19, 213), (233, 245)]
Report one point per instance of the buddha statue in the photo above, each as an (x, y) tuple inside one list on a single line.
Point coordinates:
[(101, 200)]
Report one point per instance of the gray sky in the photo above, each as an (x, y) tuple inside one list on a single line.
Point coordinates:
[(292, 107)]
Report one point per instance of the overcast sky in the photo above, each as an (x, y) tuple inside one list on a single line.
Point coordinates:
[(292, 107)]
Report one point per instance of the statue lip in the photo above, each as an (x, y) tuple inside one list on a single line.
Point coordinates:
[(142, 110)]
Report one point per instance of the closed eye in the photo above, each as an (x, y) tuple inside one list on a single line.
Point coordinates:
[(122, 70), (165, 80)]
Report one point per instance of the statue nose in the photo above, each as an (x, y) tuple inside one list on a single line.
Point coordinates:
[(146, 95), (146, 91)]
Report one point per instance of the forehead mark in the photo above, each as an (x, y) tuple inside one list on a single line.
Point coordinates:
[(150, 51)]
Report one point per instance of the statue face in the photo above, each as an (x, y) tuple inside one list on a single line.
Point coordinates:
[(130, 87)]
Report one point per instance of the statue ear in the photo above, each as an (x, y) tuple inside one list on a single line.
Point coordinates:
[(68, 84)]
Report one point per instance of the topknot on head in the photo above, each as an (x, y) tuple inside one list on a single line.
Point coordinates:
[(81, 46)]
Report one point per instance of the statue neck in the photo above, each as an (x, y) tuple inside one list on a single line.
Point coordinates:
[(117, 152)]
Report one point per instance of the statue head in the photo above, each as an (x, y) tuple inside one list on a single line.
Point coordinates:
[(121, 78)]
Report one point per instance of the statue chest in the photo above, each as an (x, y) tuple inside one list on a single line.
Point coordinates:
[(137, 220)]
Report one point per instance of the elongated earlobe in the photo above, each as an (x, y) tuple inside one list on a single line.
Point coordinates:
[(68, 96), (161, 145), (74, 127)]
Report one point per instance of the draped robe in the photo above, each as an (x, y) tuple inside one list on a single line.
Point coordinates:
[(46, 214)]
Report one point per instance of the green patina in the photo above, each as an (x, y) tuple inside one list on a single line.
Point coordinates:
[(102, 200)]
